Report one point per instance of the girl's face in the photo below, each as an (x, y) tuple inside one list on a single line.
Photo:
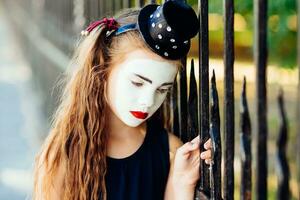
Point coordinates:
[(138, 86)]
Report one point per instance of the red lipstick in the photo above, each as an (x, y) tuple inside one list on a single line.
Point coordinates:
[(139, 115)]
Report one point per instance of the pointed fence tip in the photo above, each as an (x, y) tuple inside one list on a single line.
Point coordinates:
[(213, 78), (244, 84)]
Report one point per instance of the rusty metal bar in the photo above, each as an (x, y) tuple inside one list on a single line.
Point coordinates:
[(228, 100), (283, 172), (192, 127), (203, 89), (245, 146), (260, 57), (215, 166)]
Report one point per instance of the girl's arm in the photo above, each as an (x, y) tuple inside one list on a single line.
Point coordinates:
[(174, 144), (184, 168)]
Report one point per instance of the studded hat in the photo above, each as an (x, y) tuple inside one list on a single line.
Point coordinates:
[(167, 28)]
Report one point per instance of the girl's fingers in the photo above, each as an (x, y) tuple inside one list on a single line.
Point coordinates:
[(189, 146), (206, 155), (196, 139), (208, 161), (207, 144)]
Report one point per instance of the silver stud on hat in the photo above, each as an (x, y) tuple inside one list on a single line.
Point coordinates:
[(159, 25), (159, 36), (172, 40), (169, 29), (166, 54), (156, 46)]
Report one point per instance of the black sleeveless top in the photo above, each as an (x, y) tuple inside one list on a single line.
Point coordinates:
[(142, 175)]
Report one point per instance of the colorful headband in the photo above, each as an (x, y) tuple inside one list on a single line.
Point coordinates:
[(110, 23)]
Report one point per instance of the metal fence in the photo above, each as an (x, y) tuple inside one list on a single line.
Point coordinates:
[(48, 30)]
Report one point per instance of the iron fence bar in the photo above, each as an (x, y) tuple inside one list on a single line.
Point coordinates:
[(215, 166), (260, 57), (283, 171), (245, 146), (192, 127), (228, 100), (182, 100), (204, 88)]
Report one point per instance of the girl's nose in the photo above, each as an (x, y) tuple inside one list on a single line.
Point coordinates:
[(146, 99)]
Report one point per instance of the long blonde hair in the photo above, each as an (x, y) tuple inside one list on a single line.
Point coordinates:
[(77, 139)]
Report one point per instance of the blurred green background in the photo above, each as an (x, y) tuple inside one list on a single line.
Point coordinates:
[(282, 30)]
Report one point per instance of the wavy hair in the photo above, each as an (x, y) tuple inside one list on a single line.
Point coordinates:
[(77, 141)]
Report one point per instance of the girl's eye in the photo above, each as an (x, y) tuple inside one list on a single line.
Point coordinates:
[(137, 84), (162, 91)]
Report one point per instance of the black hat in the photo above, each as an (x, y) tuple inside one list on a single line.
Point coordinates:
[(167, 29)]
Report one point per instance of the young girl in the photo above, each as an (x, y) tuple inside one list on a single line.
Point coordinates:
[(107, 140)]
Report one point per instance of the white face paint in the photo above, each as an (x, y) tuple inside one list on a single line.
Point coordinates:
[(138, 86)]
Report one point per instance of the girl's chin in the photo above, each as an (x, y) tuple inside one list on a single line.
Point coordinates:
[(133, 123)]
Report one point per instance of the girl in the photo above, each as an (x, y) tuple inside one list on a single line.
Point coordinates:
[(107, 140)]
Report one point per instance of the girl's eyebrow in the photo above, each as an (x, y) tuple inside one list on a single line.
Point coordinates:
[(144, 78), (148, 80)]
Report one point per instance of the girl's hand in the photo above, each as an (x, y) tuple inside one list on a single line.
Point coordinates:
[(187, 162)]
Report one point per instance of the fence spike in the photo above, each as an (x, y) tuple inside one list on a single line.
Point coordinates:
[(283, 171), (245, 146), (215, 166), (182, 100), (192, 127)]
